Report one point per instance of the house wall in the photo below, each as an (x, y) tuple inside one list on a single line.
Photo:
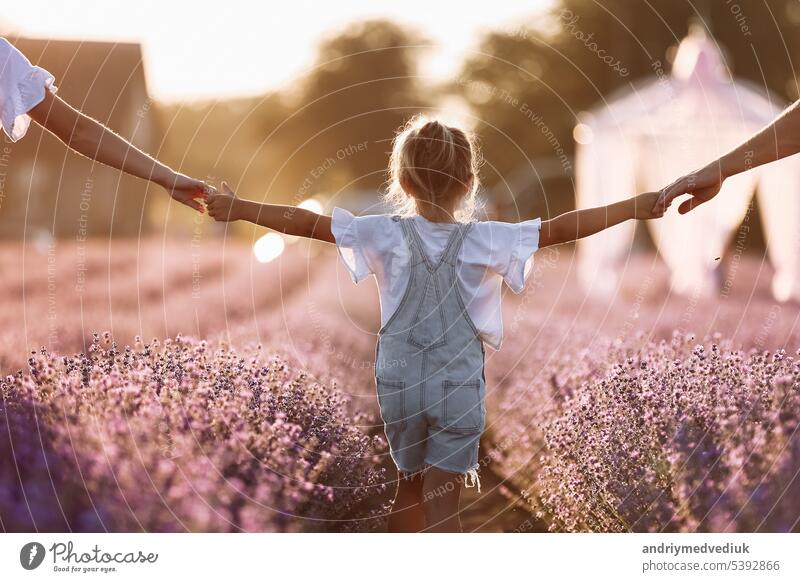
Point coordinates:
[(47, 188)]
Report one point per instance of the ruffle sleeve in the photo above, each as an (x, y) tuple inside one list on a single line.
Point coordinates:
[(22, 87), (524, 243), (345, 229)]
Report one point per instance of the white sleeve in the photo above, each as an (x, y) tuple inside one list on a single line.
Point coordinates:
[(511, 249), (22, 87), (350, 243)]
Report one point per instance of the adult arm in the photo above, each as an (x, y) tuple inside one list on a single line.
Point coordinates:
[(778, 140), (92, 139)]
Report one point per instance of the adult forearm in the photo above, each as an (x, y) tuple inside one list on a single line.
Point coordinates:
[(90, 138), (776, 141), (97, 142)]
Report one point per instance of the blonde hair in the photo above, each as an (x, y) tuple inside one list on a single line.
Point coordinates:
[(433, 158)]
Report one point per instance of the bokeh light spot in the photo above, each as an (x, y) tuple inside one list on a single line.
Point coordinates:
[(269, 247)]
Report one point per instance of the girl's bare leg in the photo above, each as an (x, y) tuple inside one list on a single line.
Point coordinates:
[(442, 491), (407, 513)]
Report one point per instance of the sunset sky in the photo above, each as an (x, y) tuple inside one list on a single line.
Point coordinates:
[(201, 49)]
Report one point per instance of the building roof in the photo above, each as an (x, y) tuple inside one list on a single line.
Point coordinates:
[(47, 185), (104, 79)]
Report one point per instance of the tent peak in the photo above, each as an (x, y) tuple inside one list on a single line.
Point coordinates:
[(698, 58)]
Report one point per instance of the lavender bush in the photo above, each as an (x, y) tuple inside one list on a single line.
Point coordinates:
[(676, 436), (181, 437), (597, 413)]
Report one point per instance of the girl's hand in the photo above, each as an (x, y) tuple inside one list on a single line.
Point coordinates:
[(645, 207), (223, 206)]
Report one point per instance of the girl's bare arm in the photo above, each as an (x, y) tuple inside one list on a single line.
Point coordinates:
[(92, 139), (225, 206), (586, 222)]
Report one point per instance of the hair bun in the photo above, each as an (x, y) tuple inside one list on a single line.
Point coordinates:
[(431, 159), (432, 127), (434, 134)]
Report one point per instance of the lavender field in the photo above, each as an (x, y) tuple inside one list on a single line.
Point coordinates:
[(230, 395)]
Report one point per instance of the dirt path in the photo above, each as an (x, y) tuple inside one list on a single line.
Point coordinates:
[(489, 511), (492, 511)]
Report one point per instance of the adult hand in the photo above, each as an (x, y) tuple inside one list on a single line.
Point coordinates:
[(702, 184), (188, 191)]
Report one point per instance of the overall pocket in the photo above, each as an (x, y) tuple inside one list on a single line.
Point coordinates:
[(462, 406), (391, 399)]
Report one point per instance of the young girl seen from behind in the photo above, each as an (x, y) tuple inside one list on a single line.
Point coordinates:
[(439, 274)]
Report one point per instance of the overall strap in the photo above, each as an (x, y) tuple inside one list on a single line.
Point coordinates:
[(448, 249), (412, 242), (450, 255)]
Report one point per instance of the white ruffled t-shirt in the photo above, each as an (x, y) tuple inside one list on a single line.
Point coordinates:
[(492, 252), (22, 87)]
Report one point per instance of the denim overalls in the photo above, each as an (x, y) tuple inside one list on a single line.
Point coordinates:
[(429, 368)]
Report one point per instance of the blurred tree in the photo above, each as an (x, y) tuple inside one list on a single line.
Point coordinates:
[(221, 140), (347, 108), (215, 139), (330, 131), (527, 85)]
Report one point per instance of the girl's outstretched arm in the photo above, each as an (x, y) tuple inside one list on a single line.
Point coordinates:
[(586, 222), (225, 206)]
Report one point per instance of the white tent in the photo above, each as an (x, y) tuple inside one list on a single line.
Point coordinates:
[(647, 137)]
